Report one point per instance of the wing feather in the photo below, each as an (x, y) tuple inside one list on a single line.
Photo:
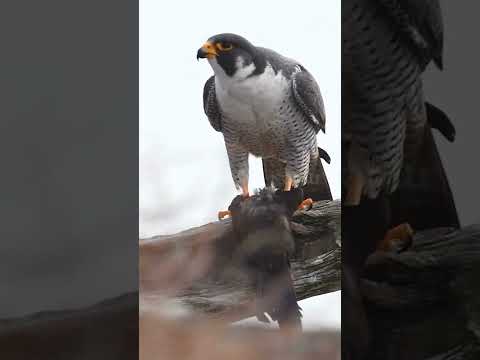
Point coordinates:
[(308, 97), (210, 104), (422, 23)]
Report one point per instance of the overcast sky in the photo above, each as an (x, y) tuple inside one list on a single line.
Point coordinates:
[(184, 173)]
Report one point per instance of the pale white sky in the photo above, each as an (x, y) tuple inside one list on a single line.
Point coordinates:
[(184, 174)]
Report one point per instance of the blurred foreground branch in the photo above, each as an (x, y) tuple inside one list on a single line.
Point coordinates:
[(107, 330), (195, 266), (111, 329), (188, 339)]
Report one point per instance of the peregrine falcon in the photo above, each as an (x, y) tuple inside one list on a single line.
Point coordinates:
[(391, 170), (264, 104), (392, 174), (386, 46)]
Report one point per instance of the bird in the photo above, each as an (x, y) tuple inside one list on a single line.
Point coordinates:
[(387, 45), (263, 246), (387, 141), (393, 180), (267, 105)]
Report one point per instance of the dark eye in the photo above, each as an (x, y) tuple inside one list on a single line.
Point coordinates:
[(224, 46)]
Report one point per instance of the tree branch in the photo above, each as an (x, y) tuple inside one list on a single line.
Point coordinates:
[(199, 260), (426, 299)]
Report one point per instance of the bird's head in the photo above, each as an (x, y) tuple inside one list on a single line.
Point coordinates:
[(229, 53)]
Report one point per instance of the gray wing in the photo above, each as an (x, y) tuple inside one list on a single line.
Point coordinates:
[(306, 94), (210, 104), (421, 22)]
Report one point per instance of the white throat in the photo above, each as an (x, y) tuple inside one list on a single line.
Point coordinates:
[(242, 72)]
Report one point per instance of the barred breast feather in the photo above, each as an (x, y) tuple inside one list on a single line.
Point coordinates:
[(386, 46)]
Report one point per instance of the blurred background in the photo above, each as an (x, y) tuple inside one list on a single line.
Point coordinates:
[(184, 173), (455, 91)]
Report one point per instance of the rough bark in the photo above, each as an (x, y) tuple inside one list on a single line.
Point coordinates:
[(199, 259)]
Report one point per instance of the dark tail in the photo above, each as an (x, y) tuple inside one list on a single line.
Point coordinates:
[(424, 198), (317, 187)]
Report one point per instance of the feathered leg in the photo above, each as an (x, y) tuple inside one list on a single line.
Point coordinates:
[(238, 160)]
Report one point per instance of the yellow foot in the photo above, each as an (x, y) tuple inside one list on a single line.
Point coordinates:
[(355, 186), (288, 183), (224, 214), (245, 192), (306, 204), (398, 238)]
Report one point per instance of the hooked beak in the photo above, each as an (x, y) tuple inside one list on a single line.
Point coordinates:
[(207, 51)]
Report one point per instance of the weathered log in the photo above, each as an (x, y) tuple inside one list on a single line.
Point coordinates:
[(200, 260), (424, 303)]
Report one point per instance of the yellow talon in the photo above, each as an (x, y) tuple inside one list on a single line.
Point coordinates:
[(224, 214), (399, 235), (288, 183), (306, 204)]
